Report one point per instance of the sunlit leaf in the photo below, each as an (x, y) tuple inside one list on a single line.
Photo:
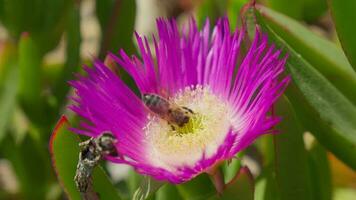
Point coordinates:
[(30, 77), (212, 10), (322, 54), (64, 152), (8, 100), (233, 10), (230, 168), (322, 109), (344, 194), (8, 59)]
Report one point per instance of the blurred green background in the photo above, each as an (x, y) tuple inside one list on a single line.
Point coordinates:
[(43, 42)]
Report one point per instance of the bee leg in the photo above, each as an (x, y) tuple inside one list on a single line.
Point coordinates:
[(188, 109)]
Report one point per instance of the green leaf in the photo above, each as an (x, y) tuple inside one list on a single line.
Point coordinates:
[(64, 153), (168, 191), (291, 164), (231, 168), (44, 20), (147, 188), (314, 9), (322, 54), (116, 19), (291, 8), (30, 77), (308, 10), (133, 181), (30, 164), (266, 185), (198, 188), (8, 100), (233, 9), (322, 109), (266, 147), (241, 187), (344, 15), (212, 9), (319, 167), (8, 59), (344, 193), (73, 41)]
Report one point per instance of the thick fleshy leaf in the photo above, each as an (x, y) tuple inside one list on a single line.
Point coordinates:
[(345, 194), (8, 100), (30, 77), (344, 16), (133, 181), (30, 164), (116, 19), (290, 8), (147, 188), (322, 109), (168, 191), (212, 9), (73, 40), (44, 20), (233, 9), (230, 168), (266, 185), (322, 54), (241, 187), (291, 162), (198, 188), (64, 153), (320, 169), (266, 147), (308, 10), (8, 59)]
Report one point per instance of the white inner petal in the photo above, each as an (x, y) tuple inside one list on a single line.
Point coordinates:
[(204, 133)]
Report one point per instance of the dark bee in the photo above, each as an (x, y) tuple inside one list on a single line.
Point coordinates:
[(91, 153), (172, 113)]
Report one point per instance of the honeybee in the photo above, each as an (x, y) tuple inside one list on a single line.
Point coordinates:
[(172, 113), (91, 153)]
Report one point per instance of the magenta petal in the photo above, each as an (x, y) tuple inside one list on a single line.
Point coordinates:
[(181, 59)]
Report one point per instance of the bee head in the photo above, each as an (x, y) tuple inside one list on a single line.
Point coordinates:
[(107, 143), (148, 98)]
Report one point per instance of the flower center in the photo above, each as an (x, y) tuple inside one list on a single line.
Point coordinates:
[(195, 124), (202, 134)]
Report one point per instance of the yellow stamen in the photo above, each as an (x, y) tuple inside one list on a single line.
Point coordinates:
[(203, 134)]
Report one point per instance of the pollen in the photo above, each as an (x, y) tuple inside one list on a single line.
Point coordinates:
[(201, 136)]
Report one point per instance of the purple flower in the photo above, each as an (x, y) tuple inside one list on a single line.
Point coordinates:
[(230, 93)]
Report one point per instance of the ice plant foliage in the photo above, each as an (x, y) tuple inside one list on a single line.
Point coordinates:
[(230, 93)]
